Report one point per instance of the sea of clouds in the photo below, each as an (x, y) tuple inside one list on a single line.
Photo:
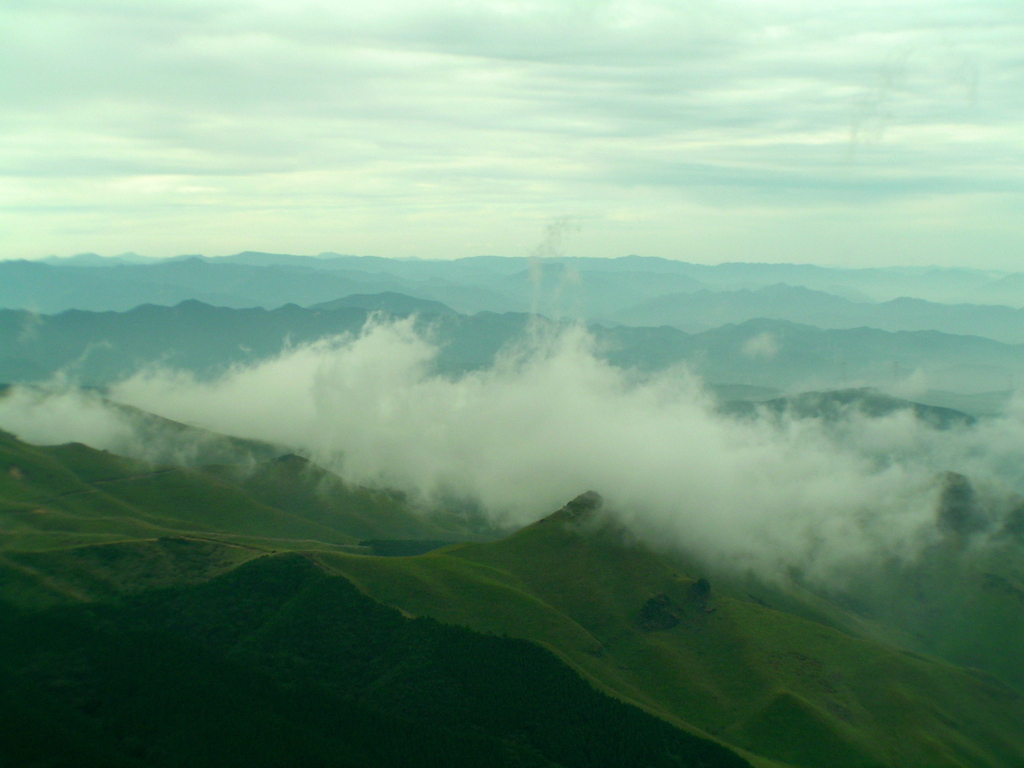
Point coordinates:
[(549, 420)]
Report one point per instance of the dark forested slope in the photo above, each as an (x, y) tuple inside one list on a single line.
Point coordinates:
[(276, 663)]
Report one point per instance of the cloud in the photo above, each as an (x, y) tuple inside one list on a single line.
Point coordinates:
[(447, 129), (764, 344), (551, 420), (58, 413), (64, 415)]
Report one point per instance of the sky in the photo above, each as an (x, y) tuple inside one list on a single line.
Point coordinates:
[(843, 132)]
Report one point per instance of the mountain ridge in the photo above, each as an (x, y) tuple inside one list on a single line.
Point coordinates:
[(788, 674), (705, 309), (579, 287), (96, 348)]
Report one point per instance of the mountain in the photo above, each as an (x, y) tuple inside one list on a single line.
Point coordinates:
[(67, 495), (577, 287), (95, 260), (142, 604), (934, 284), (837, 404), (1004, 290), (777, 672), (279, 663), (389, 302), (96, 348), (50, 288), (191, 598), (138, 603), (782, 355), (701, 310), (270, 281)]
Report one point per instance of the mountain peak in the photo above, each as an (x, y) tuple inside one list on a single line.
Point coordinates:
[(579, 508)]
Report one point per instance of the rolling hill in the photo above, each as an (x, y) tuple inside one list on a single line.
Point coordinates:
[(66, 495), (234, 585), (278, 663)]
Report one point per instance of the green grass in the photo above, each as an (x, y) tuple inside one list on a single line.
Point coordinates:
[(794, 678), (780, 685), (72, 495), (278, 663)]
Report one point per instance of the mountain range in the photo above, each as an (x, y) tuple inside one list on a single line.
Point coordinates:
[(174, 596), (702, 310), (96, 348), (630, 290)]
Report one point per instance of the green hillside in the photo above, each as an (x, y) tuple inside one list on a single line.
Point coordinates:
[(277, 663), (885, 673), (802, 691), (60, 496)]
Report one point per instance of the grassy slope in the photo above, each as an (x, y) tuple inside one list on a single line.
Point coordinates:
[(796, 690), (68, 495), (278, 663), (784, 681), (295, 485), (982, 587), (78, 523)]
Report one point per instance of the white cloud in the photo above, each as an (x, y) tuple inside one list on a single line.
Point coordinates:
[(761, 345), (446, 129), (551, 420)]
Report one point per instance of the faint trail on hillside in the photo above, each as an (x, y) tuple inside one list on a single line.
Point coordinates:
[(125, 478), (44, 580)]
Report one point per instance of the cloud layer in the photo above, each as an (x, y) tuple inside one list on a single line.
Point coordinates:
[(850, 132), (551, 420)]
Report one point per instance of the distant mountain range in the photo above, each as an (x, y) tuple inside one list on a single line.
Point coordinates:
[(630, 290), (701, 310), (96, 348)]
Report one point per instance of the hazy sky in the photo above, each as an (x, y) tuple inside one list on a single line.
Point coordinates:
[(849, 132)]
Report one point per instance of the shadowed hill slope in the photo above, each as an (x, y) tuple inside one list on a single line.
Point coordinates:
[(276, 663)]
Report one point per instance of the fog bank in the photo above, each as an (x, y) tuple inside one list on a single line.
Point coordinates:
[(550, 420)]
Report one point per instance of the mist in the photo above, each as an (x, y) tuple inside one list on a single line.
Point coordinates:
[(60, 412), (550, 420)]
